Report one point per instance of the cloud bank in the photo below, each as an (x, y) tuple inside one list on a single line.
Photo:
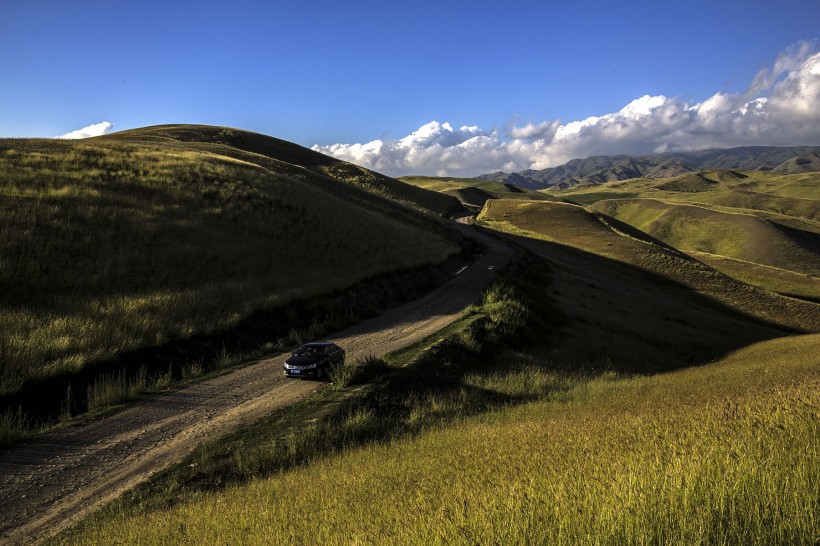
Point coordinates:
[(781, 107), (91, 131)]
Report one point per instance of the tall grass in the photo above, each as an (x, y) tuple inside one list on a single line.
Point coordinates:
[(471, 442), (115, 388), (113, 246), (14, 426), (724, 454)]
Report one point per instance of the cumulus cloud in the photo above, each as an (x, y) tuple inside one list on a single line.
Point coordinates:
[(781, 107), (435, 148), (96, 129)]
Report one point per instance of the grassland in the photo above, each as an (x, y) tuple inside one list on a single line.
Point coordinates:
[(733, 235), (767, 220), (629, 290), (608, 389), (118, 243), (529, 446)]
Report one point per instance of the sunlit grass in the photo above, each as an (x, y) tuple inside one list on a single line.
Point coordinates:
[(736, 235), (778, 280), (722, 454), (112, 246), (464, 441), (575, 227)]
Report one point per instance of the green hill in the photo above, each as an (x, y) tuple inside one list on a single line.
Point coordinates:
[(145, 237), (635, 298), (289, 159), (542, 416), (727, 218), (719, 454), (739, 236)]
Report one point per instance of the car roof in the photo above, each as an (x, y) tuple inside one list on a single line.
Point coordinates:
[(317, 344)]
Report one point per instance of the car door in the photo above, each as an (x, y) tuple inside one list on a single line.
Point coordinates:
[(337, 355)]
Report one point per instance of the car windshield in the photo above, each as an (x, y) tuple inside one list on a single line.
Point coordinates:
[(309, 350)]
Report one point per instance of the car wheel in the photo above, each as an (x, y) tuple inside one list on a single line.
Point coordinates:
[(320, 373)]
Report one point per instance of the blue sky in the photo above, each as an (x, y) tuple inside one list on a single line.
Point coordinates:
[(323, 73)]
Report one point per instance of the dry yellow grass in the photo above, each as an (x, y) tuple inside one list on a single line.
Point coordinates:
[(726, 453)]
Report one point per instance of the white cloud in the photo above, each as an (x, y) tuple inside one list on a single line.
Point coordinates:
[(781, 107), (91, 131)]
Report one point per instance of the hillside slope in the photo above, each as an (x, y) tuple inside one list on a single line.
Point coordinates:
[(740, 236), (472, 191), (762, 228), (288, 158), (635, 301), (147, 236), (718, 454)]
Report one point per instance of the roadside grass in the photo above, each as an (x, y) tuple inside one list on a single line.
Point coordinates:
[(432, 382), (717, 454), (110, 246)]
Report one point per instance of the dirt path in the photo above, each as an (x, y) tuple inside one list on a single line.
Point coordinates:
[(59, 478)]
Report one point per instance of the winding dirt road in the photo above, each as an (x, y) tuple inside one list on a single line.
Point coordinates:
[(59, 478)]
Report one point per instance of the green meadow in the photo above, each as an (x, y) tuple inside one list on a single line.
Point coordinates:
[(715, 456)]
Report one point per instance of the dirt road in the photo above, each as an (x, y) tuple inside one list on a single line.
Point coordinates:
[(59, 478)]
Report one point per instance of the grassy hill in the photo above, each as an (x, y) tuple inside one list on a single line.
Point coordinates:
[(602, 169), (289, 159), (472, 192), (155, 235), (634, 300), (727, 218), (607, 386), (733, 235), (521, 449), (787, 194)]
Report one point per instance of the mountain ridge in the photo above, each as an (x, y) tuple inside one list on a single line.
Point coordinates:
[(601, 168)]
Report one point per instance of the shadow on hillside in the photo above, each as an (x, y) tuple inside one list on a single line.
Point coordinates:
[(45, 399), (512, 358), (658, 317)]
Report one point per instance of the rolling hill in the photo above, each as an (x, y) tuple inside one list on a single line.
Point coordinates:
[(713, 455), (636, 299), (759, 227), (471, 192), (655, 398), (720, 452), (733, 235), (152, 236)]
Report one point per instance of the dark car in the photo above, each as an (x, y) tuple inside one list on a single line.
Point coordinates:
[(314, 359)]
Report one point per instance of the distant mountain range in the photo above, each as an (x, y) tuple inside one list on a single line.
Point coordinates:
[(599, 169)]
